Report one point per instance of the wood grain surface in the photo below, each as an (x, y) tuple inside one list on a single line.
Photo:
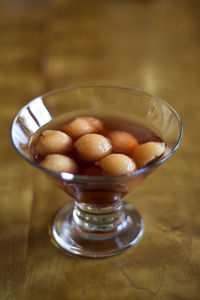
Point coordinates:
[(153, 45)]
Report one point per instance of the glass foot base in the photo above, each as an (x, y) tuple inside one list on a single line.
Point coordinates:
[(70, 237)]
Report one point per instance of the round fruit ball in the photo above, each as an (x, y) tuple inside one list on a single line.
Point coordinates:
[(53, 142), (147, 152), (92, 147), (59, 163), (83, 125), (122, 141), (117, 164)]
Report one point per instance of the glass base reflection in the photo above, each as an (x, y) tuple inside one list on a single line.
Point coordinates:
[(71, 237)]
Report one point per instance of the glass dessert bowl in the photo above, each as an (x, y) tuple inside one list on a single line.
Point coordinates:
[(98, 223)]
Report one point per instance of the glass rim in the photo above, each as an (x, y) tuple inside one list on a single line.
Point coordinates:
[(110, 178)]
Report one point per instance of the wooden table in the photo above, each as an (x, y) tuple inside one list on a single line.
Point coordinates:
[(153, 45)]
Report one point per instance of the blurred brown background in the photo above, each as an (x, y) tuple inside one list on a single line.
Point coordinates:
[(153, 45)]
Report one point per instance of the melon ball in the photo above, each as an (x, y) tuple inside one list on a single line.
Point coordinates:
[(122, 141), (83, 125), (59, 163), (92, 147), (117, 164), (53, 142), (147, 152)]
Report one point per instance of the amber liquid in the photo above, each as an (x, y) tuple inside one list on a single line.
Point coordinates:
[(141, 133), (95, 194)]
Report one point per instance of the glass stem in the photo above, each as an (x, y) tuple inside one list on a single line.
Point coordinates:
[(94, 219)]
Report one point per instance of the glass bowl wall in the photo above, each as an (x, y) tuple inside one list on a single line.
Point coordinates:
[(99, 223)]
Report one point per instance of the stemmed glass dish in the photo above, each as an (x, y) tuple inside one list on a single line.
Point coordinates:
[(99, 222)]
